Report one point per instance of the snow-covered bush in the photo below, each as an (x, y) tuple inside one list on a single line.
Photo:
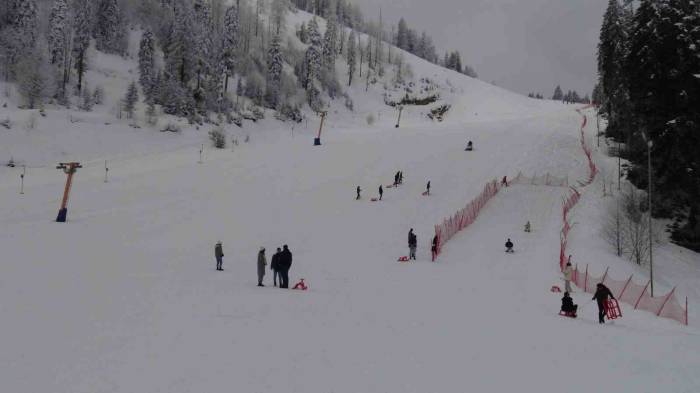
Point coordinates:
[(370, 119), (218, 137)]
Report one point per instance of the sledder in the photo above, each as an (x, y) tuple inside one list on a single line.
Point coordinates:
[(601, 296), (470, 147), (568, 308), (509, 246)]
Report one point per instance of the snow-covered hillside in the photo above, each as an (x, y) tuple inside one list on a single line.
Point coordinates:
[(125, 296)]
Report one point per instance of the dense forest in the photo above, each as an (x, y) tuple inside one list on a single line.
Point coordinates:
[(649, 90)]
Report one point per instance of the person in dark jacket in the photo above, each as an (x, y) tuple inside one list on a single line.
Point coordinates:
[(412, 244), (285, 263), (358, 193), (219, 255), (567, 304), (601, 295), (434, 247), (509, 246), (427, 191), (470, 147), (400, 177), (262, 262), (381, 192), (274, 265), (396, 179)]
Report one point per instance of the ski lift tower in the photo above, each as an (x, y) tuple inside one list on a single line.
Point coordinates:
[(69, 168), (317, 140)]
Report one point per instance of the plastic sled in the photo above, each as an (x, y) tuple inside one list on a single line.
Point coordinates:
[(403, 259), (569, 314), (390, 186), (374, 200), (425, 193), (300, 285), (612, 309), (555, 289)]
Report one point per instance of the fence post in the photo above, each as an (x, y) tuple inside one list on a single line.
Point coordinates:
[(666, 301), (625, 287), (605, 275), (640, 296), (585, 282), (686, 311)]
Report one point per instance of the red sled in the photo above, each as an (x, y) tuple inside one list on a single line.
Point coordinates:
[(569, 314), (300, 285), (555, 289), (403, 259), (374, 200), (612, 309), (425, 193)]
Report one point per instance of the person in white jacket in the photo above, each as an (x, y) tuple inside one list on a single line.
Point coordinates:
[(568, 274)]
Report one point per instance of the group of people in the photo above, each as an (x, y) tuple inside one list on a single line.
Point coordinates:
[(280, 264), (601, 296), (413, 245), (398, 178)]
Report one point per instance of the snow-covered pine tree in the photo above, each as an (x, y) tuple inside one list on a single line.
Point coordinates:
[(402, 35), (558, 94), (230, 44), (31, 78), (130, 100), (275, 64), (147, 70), (180, 56), (352, 57), (57, 34), (303, 34), (203, 48), (81, 38), (278, 14), (110, 28), (19, 33), (330, 43), (612, 51), (313, 55)]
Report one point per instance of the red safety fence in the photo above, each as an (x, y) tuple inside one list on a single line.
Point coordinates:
[(463, 218), (627, 290)]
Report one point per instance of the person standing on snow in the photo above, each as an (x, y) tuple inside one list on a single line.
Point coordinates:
[(381, 192), (601, 295), (427, 191), (400, 177), (568, 275), (262, 262), (219, 255), (434, 247), (509, 246), (275, 266), (358, 193), (412, 244), (396, 179), (285, 263)]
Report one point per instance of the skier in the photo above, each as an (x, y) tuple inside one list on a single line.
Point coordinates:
[(568, 306), (275, 266), (412, 244), (219, 254), (568, 274), (601, 296), (381, 192), (527, 227), (262, 262), (358, 193), (509, 246), (433, 249), (469, 146), (285, 263), (427, 192)]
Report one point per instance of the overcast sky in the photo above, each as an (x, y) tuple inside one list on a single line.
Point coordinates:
[(522, 45)]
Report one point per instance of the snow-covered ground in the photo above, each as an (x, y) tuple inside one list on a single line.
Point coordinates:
[(125, 296)]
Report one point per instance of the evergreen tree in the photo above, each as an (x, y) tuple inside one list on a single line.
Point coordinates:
[(57, 34), (352, 57), (130, 100), (31, 78), (402, 35), (558, 94), (81, 38), (313, 55), (180, 55), (231, 42), (330, 44), (146, 63), (275, 64), (18, 33), (612, 50), (303, 34), (278, 14), (110, 28)]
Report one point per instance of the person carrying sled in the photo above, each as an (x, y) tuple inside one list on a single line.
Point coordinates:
[(412, 244), (601, 295), (470, 147), (262, 262), (568, 275), (285, 263), (427, 191), (275, 266), (219, 255), (358, 193), (568, 306), (381, 192), (509, 246)]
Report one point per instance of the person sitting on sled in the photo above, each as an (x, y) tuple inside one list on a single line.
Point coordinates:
[(567, 305), (509, 246), (470, 147)]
